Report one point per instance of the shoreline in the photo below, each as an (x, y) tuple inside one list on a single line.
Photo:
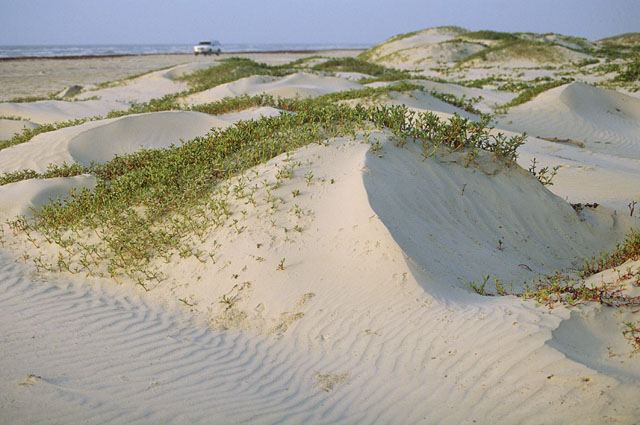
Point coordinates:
[(252, 52)]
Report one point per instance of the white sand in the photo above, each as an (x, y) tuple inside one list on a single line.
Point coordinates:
[(605, 121), (50, 111), (10, 127), (371, 320)]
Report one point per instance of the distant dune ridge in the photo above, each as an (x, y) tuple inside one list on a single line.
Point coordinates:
[(366, 276), (455, 44)]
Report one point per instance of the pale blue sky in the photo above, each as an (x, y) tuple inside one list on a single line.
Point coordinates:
[(297, 21)]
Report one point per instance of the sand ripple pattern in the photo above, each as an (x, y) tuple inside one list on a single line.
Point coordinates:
[(605, 121), (104, 358)]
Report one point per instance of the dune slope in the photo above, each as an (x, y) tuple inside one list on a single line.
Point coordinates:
[(603, 120)]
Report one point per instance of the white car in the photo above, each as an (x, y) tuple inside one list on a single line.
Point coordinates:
[(207, 48)]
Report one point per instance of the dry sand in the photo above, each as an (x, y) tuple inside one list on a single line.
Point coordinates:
[(372, 319)]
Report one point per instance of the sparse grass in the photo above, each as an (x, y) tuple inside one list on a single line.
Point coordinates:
[(225, 105), (303, 61), (561, 289), (64, 170), (629, 38), (229, 70), (490, 35), (586, 62), (13, 118), (607, 68), (532, 92), (518, 49), (564, 290), (632, 334), (544, 174), (115, 83), (369, 54), (30, 99)]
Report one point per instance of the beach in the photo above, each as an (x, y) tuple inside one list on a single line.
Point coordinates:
[(21, 77), (293, 237)]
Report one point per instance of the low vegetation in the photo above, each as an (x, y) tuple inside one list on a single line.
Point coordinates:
[(29, 99), (631, 71), (230, 70), (381, 73), (157, 203), (531, 92), (561, 289), (460, 102)]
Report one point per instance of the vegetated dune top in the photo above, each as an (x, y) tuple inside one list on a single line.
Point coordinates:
[(603, 120), (418, 46), (524, 53), (416, 100), (451, 44), (50, 111), (628, 39)]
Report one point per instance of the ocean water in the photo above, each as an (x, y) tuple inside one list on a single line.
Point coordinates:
[(145, 49)]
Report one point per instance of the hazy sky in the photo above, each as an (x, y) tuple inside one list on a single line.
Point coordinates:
[(297, 21)]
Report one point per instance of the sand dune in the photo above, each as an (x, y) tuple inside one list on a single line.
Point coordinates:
[(422, 46), (19, 198), (463, 212), (488, 98), (10, 127), (612, 181), (100, 141), (366, 323), (605, 121), (50, 111), (426, 48), (417, 101), (300, 84)]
